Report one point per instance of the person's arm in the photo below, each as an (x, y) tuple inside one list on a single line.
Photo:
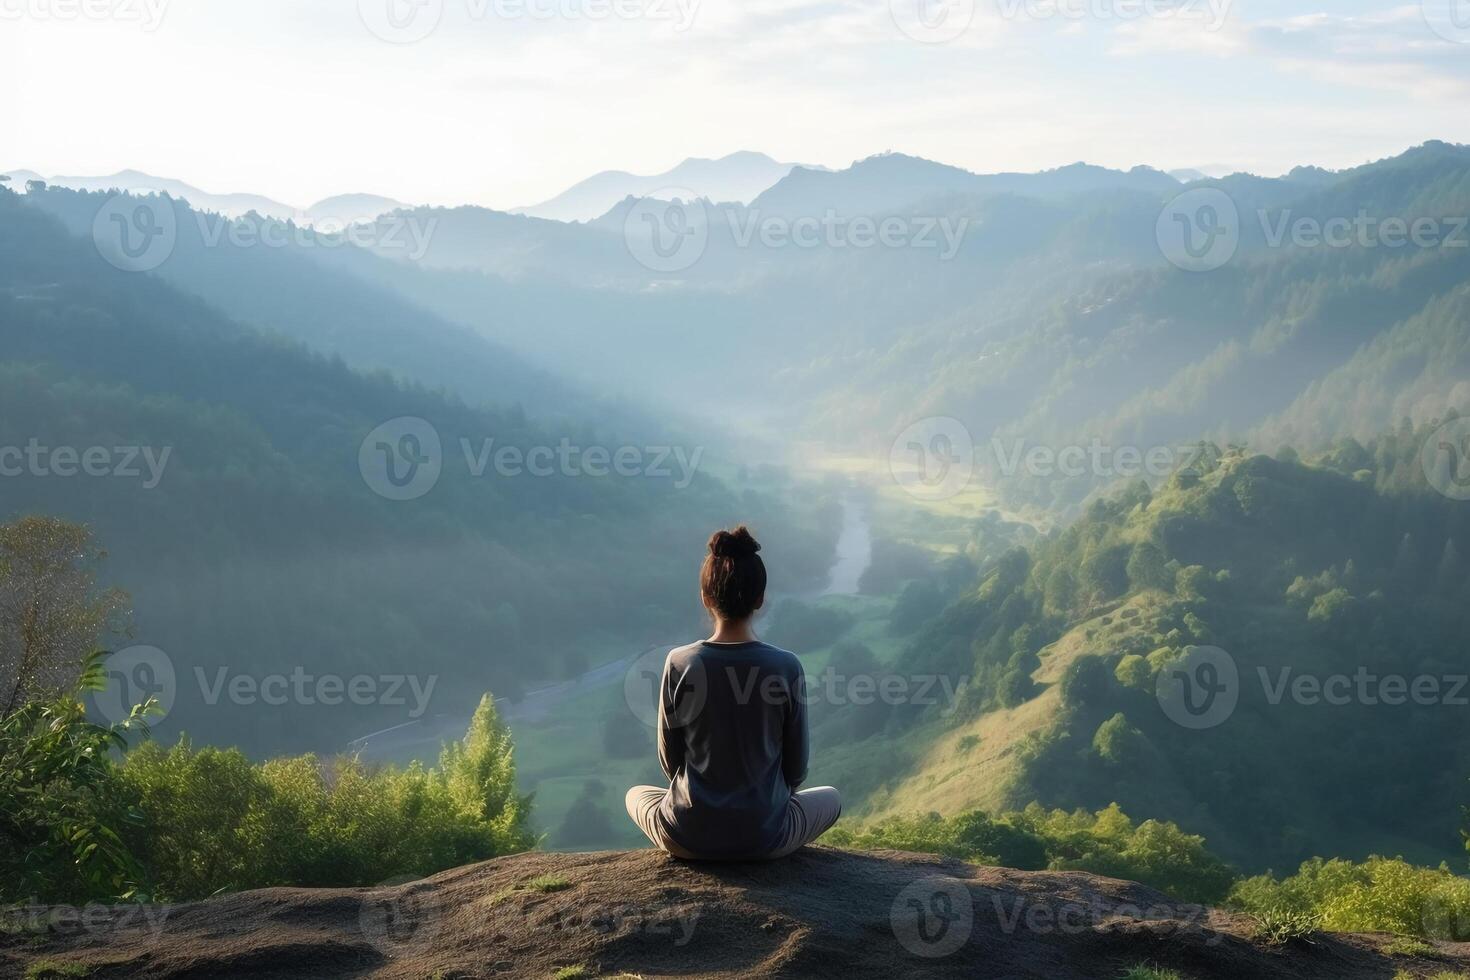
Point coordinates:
[(670, 739), (796, 745)]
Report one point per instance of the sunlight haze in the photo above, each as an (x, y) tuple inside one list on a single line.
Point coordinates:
[(502, 108)]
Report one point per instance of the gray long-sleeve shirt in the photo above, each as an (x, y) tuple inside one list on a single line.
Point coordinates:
[(732, 738)]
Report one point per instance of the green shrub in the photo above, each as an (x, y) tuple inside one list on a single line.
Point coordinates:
[(1280, 926), (62, 814), (1378, 895), (1154, 852), (1106, 842), (214, 820)]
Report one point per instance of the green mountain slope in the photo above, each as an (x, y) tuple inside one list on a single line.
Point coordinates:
[(1294, 571), (263, 549)]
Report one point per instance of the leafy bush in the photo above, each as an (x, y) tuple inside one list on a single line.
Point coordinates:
[(1154, 852), (77, 826), (212, 820), (62, 816), (1378, 895), (1106, 842)]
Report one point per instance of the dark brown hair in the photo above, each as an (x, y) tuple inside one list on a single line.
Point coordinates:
[(733, 578)]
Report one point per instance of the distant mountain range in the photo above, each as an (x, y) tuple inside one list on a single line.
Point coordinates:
[(739, 177), (338, 210), (1034, 306), (879, 182), (893, 181)]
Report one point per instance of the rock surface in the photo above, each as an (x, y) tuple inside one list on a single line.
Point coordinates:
[(820, 913)]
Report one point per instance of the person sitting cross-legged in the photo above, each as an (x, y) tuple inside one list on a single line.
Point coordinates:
[(732, 731)]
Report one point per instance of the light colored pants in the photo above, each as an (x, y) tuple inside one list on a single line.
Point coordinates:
[(809, 814)]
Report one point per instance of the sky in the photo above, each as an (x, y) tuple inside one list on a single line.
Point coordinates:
[(505, 103)]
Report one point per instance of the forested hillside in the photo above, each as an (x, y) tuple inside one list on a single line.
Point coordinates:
[(254, 545), (1036, 309), (1348, 566), (293, 280)]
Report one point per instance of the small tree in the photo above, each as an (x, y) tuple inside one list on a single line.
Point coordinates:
[(481, 774), (52, 612)]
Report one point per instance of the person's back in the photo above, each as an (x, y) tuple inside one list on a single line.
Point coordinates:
[(733, 741), (732, 731)]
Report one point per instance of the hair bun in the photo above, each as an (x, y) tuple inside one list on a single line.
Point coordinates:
[(733, 544)]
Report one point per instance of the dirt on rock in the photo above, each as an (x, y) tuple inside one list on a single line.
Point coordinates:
[(821, 913)]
